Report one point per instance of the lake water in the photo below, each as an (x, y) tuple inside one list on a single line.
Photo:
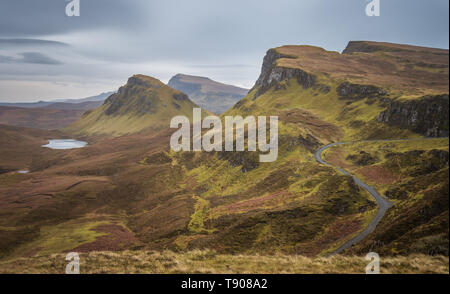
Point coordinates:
[(63, 144)]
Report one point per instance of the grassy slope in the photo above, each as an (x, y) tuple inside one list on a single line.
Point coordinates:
[(19, 146), (317, 223), (415, 177), (325, 111), (146, 104), (248, 211), (209, 262)]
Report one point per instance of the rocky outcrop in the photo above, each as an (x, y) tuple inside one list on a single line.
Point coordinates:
[(356, 92), (272, 75), (180, 97), (137, 80), (427, 116)]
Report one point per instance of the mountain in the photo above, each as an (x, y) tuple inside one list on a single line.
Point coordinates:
[(27, 104), (100, 97), (143, 103), (97, 98), (372, 90), (208, 94)]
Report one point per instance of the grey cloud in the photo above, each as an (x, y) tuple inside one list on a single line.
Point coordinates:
[(30, 57), (39, 58), (42, 17), (6, 59), (220, 65), (4, 43), (222, 39)]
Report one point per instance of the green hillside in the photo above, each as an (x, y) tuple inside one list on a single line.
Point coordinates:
[(351, 90), (296, 205), (143, 103)]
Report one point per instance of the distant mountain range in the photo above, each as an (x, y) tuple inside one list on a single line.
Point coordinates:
[(48, 114), (208, 94), (97, 98)]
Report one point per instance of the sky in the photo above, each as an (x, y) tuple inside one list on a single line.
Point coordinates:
[(46, 55)]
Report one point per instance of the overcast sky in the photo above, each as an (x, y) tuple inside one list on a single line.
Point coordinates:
[(45, 55)]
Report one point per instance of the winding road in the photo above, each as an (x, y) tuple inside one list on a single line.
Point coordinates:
[(383, 204)]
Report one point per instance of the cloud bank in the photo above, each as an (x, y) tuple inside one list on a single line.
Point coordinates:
[(46, 55)]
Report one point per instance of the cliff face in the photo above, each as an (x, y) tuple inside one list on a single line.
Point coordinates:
[(427, 116), (272, 75), (356, 92), (360, 74)]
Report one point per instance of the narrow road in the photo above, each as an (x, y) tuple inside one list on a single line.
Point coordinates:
[(383, 204)]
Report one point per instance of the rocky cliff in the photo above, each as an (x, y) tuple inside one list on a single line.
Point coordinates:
[(356, 92), (427, 116), (272, 75)]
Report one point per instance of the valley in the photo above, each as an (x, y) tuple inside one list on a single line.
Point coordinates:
[(127, 194)]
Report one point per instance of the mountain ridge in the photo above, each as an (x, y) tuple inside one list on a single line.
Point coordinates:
[(207, 93), (96, 98)]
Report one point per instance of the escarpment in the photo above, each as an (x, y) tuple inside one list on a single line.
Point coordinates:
[(427, 116), (272, 75), (356, 92)]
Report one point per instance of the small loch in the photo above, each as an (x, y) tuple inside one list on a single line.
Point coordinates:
[(65, 144)]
